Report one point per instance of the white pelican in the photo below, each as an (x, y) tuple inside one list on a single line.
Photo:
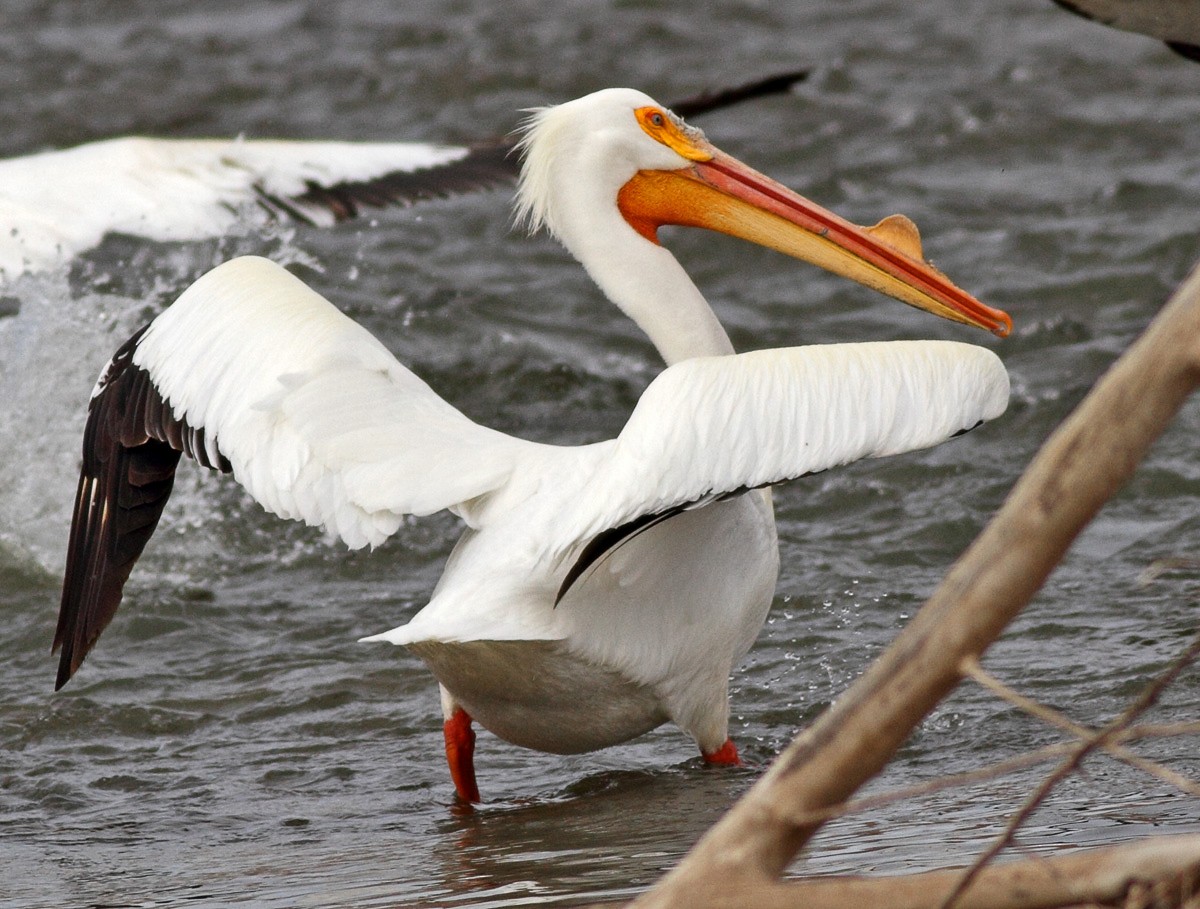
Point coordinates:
[(57, 204), (599, 590)]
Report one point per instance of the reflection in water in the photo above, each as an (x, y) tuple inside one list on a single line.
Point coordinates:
[(600, 822)]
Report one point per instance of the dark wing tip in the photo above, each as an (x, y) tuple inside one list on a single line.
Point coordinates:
[(966, 429), (484, 167), (607, 542), (1186, 50), (1071, 7), (726, 97), (131, 446)]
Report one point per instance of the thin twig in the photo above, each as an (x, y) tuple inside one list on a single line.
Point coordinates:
[(989, 772), (1151, 572), (1163, 730), (984, 774), (1149, 696), (932, 787), (971, 667)]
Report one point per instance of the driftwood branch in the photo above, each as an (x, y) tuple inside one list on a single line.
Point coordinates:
[(1113, 876), (1080, 467)]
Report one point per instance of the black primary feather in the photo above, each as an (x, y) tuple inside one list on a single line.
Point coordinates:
[(606, 542), (131, 446)]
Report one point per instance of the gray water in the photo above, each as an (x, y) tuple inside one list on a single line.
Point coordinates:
[(229, 743)]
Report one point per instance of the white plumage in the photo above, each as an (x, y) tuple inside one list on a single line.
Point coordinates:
[(598, 590)]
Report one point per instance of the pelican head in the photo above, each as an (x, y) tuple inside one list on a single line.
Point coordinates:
[(604, 172)]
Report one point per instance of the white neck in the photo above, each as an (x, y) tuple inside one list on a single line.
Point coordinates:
[(577, 157), (649, 285)]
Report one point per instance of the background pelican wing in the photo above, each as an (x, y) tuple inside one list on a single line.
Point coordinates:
[(712, 426), (252, 372), (58, 203)]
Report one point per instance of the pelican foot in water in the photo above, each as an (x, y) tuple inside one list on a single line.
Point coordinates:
[(725, 756), (460, 754)]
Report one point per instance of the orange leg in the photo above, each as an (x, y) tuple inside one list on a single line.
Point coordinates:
[(460, 754), (725, 756)]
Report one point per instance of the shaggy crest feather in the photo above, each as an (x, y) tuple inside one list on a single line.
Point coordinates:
[(539, 134), (553, 140)]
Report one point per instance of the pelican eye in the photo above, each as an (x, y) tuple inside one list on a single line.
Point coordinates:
[(669, 130)]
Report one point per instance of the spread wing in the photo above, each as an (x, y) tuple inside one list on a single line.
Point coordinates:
[(712, 427), (252, 372), (57, 204)]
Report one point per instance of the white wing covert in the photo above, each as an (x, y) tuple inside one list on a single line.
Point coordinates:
[(316, 417), (712, 426)]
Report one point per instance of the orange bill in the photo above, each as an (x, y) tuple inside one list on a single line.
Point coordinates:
[(718, 192)]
